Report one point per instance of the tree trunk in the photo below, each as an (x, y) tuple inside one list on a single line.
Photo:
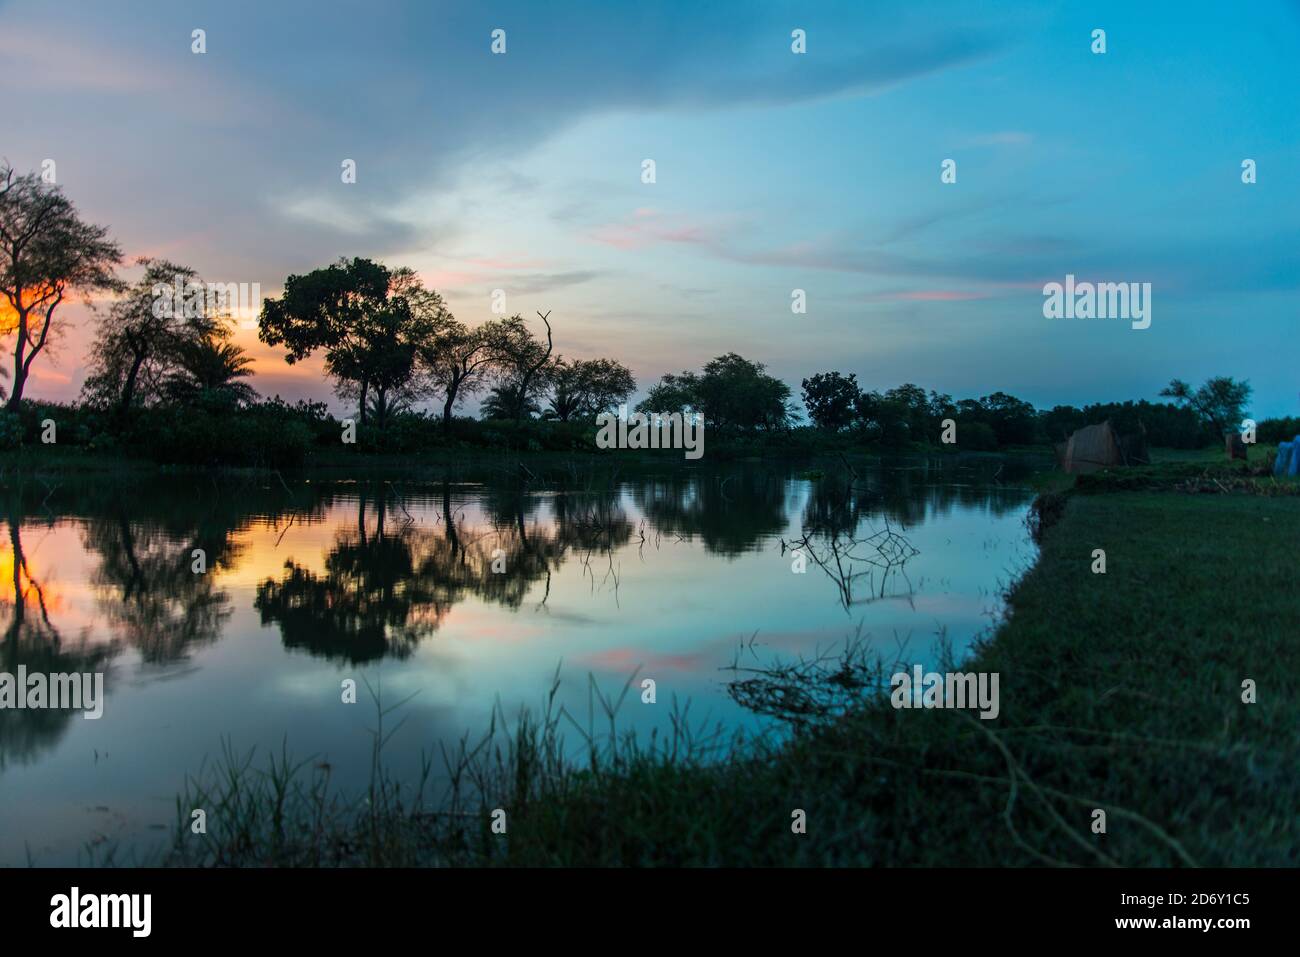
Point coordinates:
[(20, 377), (449, 521), (452, 388), (23, 367), (128, 389), (20, 604), (528, 375)]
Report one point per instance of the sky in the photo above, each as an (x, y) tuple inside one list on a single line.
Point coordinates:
[(774, 171)]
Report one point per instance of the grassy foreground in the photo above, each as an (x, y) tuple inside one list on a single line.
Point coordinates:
[(1120, 692)]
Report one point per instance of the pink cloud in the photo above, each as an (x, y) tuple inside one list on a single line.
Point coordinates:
[(648, 229), (46, 62)]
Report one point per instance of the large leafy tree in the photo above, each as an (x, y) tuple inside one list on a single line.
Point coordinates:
[(140, 339), (584, 388), (1013, 420), (737, 393), (830, 399), (47, 254), (673, 393), (456, 362), (911, 402), (732, 392), (522, 362), (1220, 402), (371, 323), (327, 309)]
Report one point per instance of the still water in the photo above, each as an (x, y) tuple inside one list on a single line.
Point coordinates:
[(466, 594)]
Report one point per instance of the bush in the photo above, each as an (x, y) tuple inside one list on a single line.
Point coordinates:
[(1272, 431), (11, 431), (976, 436), (197, 436)]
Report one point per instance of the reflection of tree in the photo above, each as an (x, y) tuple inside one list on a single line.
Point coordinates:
[(838, 505), (908, 492), (153, 599), (368, 603), (863, 559), (389, 583), (32, 640), (730, 513), (846, 507)]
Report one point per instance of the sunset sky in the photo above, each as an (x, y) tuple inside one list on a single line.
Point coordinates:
[(775, 171)]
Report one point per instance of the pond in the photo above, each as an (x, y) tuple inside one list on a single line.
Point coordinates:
[(231, 612)]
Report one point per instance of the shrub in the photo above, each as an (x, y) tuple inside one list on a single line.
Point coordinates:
[(1272, 431), (976, 436), (11, 431)]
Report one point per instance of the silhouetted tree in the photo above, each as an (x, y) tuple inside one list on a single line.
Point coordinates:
[(457, 361), (673, 393), (46, 254), (523, 364), (372, 323), (584, 388), (732, 392), (139, 341), (210, 369), (1219, 402), (830, 399)]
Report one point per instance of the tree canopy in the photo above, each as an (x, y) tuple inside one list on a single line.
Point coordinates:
[(732, 393), (47, 253), (141, 338), (372, 324), (1219, 402)]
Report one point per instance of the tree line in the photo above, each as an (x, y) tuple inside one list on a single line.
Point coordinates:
[(391, 347), (1193, 419), (391, 344)]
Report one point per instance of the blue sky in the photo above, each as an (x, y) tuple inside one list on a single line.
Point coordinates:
[(775, 171)]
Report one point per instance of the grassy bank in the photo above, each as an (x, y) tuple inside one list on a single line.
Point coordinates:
[(1119, 692)]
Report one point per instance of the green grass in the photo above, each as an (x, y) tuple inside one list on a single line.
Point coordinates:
[(1258, 454), (1119, 691)]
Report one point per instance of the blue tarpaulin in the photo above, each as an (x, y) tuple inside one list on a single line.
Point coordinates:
[(1288, 458)]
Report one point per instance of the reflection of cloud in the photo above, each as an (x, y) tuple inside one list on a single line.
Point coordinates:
[(628, 659)]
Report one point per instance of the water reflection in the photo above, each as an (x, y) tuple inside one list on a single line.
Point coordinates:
[(464, 590), (32, 640), (390, 577), (151, 597), (389, 582)]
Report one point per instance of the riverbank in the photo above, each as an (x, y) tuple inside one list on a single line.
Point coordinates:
[(1120, 692), (43, 468), (275, 436)]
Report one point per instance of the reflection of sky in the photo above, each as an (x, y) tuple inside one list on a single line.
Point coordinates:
[(774, 172), (679, 613)]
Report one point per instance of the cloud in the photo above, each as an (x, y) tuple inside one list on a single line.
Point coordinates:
[(929, 295), (545, 282), (648, 227), (413, 94), (1003, 138)]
